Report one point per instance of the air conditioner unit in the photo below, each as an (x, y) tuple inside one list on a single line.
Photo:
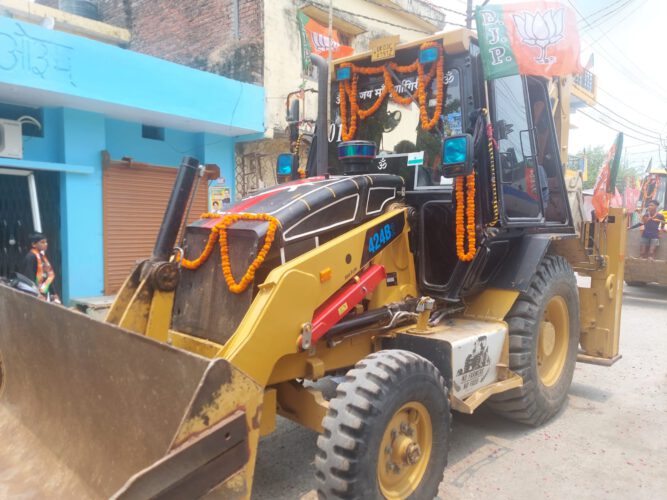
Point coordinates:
[(11, 139)]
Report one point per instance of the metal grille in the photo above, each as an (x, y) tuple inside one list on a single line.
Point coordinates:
[(16, 220), (585, 80), (254, 171)]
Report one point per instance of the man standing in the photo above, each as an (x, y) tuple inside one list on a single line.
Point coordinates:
[(653, 221), (38, 268)]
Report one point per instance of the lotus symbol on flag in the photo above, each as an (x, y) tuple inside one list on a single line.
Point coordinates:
[(322, 43), (540, 29)]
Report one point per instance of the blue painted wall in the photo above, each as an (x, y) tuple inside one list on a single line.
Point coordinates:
[(47, 148), (220, 150), (74, 137), (51, 66), (124, 139), (87, 70), (81, 205)]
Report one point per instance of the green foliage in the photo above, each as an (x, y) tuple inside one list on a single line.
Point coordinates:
[(596, 157)]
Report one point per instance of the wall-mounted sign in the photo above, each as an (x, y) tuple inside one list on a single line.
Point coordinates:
[(219, 198), (383, 48)]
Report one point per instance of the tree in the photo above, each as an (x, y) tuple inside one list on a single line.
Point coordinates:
[(596, 156)]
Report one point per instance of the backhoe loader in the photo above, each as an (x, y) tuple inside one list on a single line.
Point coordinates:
[(427, 260)]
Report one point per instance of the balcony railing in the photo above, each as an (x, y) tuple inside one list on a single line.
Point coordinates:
[(584, 89)]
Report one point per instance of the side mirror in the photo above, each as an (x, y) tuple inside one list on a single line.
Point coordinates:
[(457, 155), (293, 112), (286, 166)]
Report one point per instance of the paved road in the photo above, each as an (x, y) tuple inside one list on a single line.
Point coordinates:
[(608, 442)]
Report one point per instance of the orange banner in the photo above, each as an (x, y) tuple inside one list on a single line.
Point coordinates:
[(320, 43)]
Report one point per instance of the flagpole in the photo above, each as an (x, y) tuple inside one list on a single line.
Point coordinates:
[(329, 59)]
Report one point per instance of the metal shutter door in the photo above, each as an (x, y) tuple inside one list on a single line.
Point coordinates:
[(134, 201)]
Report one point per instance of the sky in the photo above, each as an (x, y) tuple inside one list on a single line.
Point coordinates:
[(627, 38)]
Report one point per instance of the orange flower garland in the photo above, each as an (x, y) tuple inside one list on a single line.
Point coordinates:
[(349, 91), (423, 97), (343, 89), (219, 232), (365, 113), (461, 226)]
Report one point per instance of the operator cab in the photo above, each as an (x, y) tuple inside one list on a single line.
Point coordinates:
[(410, 109)]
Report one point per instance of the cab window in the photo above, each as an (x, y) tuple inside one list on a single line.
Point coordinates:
[(520, 181)]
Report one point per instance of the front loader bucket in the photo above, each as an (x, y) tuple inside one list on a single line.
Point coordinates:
[(89, 410)]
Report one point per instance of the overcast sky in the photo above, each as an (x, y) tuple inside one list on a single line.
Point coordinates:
[(627, 38)]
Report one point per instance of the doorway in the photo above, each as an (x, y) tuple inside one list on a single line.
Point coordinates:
[(28, 200)]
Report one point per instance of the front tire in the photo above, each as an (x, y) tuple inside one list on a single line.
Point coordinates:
[(386, 434), (544, 339)]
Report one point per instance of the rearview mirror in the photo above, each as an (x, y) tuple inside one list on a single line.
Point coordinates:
[(457, 155), (286, 166), (292, 114)]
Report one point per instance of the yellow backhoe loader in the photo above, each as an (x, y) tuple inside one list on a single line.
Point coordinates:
[(428, 259)]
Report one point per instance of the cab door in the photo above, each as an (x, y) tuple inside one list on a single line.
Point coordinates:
[(520, 185)]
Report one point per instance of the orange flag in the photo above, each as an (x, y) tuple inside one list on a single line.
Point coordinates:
[(605, 185), (318, 39)]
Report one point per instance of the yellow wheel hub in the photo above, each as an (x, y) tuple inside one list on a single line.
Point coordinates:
[(405, 450), (553, 341)]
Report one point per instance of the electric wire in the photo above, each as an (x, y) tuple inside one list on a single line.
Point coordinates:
[(609, 28), (626, 73), (593, 22), (615, 128), (623, 103), (649, 130)]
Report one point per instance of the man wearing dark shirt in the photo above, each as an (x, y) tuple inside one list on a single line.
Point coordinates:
[(653, 222)]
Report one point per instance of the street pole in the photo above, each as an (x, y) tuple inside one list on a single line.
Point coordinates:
[(469, 14)]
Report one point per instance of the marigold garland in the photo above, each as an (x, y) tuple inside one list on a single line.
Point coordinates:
[(348, 90), (465, 224), (219, 232), (345, 88), (422, 85)]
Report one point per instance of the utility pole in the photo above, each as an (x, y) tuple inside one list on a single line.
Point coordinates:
[(469, 14)]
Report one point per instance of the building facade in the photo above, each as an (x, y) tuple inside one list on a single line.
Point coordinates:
[(258, 42), (100, 132)]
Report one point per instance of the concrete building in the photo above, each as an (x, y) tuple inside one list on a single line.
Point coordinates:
[(258, 41), (92, 133)]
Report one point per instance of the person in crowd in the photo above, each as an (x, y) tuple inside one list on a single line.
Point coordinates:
[(36, 267), (653, 222)]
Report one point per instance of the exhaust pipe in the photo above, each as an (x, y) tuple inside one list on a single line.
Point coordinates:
[(322, 113), (173, 215)]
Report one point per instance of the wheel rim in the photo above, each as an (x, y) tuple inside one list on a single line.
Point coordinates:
[(405, 450), (553, 341)]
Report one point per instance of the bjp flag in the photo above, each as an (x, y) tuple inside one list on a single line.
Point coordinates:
[(605, 185), (315, 40), (537, 38)]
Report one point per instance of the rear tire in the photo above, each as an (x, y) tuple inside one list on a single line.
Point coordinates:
[(386, 434), (544, 340)]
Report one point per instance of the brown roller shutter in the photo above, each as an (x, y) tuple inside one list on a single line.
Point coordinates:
[(134, 201)]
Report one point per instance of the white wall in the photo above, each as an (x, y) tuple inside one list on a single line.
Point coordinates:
[(282, 48)]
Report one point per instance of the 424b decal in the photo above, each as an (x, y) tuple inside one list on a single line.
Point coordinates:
[(380, 235), (380, 238)]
